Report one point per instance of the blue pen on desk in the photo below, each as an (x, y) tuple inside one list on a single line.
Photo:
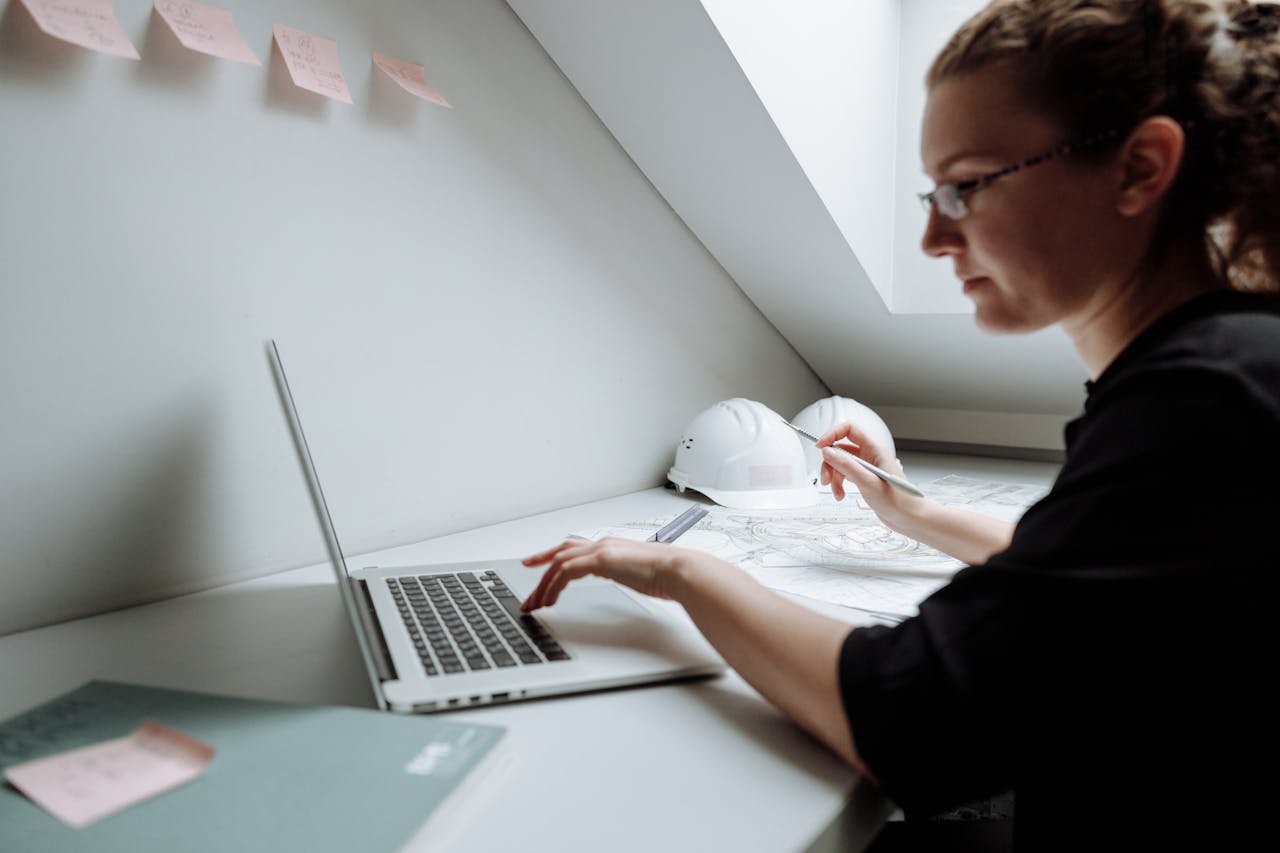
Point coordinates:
[(879, 472)]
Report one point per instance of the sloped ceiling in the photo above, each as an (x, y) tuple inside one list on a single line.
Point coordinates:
[(661, 78)]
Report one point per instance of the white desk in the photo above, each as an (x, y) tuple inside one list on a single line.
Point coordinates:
[(705, 765)]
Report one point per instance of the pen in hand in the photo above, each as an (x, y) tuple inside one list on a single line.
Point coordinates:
[(891, 479)]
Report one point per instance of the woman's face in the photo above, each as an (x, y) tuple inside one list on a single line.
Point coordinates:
[(1038, 246)]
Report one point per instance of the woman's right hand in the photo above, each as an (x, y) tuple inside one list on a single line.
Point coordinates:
[(967, 536), (892, 506)]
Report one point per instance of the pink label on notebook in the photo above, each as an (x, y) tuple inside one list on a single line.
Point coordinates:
[(83, 785)]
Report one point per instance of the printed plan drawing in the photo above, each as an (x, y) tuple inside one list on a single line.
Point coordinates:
[(838, 551), (1002, 500)]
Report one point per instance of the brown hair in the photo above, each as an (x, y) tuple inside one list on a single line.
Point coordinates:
[(1213, 65)]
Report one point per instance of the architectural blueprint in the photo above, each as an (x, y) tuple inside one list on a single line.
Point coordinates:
[(1002, 500), (838, 551)]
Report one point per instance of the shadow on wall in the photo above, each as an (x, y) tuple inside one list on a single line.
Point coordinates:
[(117, 520), (24, 45), (166, 63), (389, 106)]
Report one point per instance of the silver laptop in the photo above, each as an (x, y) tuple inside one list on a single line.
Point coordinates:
[(439, 637)]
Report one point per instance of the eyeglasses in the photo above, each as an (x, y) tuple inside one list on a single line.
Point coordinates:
[(949, 199)]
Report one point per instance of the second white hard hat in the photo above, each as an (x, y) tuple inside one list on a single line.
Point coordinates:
[(740, 454), (831, 412)]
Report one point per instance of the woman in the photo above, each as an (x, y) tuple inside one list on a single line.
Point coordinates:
[(1108, 166)]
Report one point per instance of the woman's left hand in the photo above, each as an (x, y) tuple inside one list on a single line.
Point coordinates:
[(783, 649)]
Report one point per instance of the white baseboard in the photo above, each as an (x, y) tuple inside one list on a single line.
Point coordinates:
[(984, 429)]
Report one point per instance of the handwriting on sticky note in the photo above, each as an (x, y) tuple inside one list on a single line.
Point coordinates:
[(87, 23), (412, 78), (206, 29), (83, 785), (312, 62)]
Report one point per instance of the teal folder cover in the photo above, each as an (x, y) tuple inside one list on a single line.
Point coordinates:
[(284, 777)]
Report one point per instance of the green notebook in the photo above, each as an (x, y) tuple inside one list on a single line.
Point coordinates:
[(284, 777)]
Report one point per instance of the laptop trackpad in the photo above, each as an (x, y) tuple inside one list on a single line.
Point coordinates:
[(602, 615)]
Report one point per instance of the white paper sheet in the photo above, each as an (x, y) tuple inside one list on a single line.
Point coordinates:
[(838, 551)]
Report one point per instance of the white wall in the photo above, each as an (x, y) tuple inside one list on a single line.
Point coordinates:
[(827, 73), (485, 312)]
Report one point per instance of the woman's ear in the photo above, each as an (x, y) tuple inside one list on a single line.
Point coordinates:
[(1149, 164)]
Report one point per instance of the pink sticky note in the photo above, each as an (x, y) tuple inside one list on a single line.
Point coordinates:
[(207, 29), (83, 785), (312, 62), (87, 23), (412, 78)]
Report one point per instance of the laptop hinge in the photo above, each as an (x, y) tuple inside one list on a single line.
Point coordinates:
[(373, 631)]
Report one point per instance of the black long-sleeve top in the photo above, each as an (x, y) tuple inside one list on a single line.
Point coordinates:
[(1116, 666)]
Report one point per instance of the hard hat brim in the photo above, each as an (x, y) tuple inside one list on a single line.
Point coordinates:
[(762, 499)]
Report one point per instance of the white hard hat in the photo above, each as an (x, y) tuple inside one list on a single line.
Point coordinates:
[(830, 412), (740, 454)]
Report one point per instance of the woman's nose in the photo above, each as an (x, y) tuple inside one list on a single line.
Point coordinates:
[(941, 236)]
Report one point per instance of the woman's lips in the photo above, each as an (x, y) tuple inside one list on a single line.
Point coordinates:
[(970, 284)]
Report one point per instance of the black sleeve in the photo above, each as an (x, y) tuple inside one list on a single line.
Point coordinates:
[(1004, 670)]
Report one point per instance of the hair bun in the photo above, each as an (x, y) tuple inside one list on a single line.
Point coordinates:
[(1254, 21)]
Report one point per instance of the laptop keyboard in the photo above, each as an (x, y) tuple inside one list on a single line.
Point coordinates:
[(470, 621)]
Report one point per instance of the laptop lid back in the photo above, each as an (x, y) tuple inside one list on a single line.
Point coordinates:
[(355, 610)]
